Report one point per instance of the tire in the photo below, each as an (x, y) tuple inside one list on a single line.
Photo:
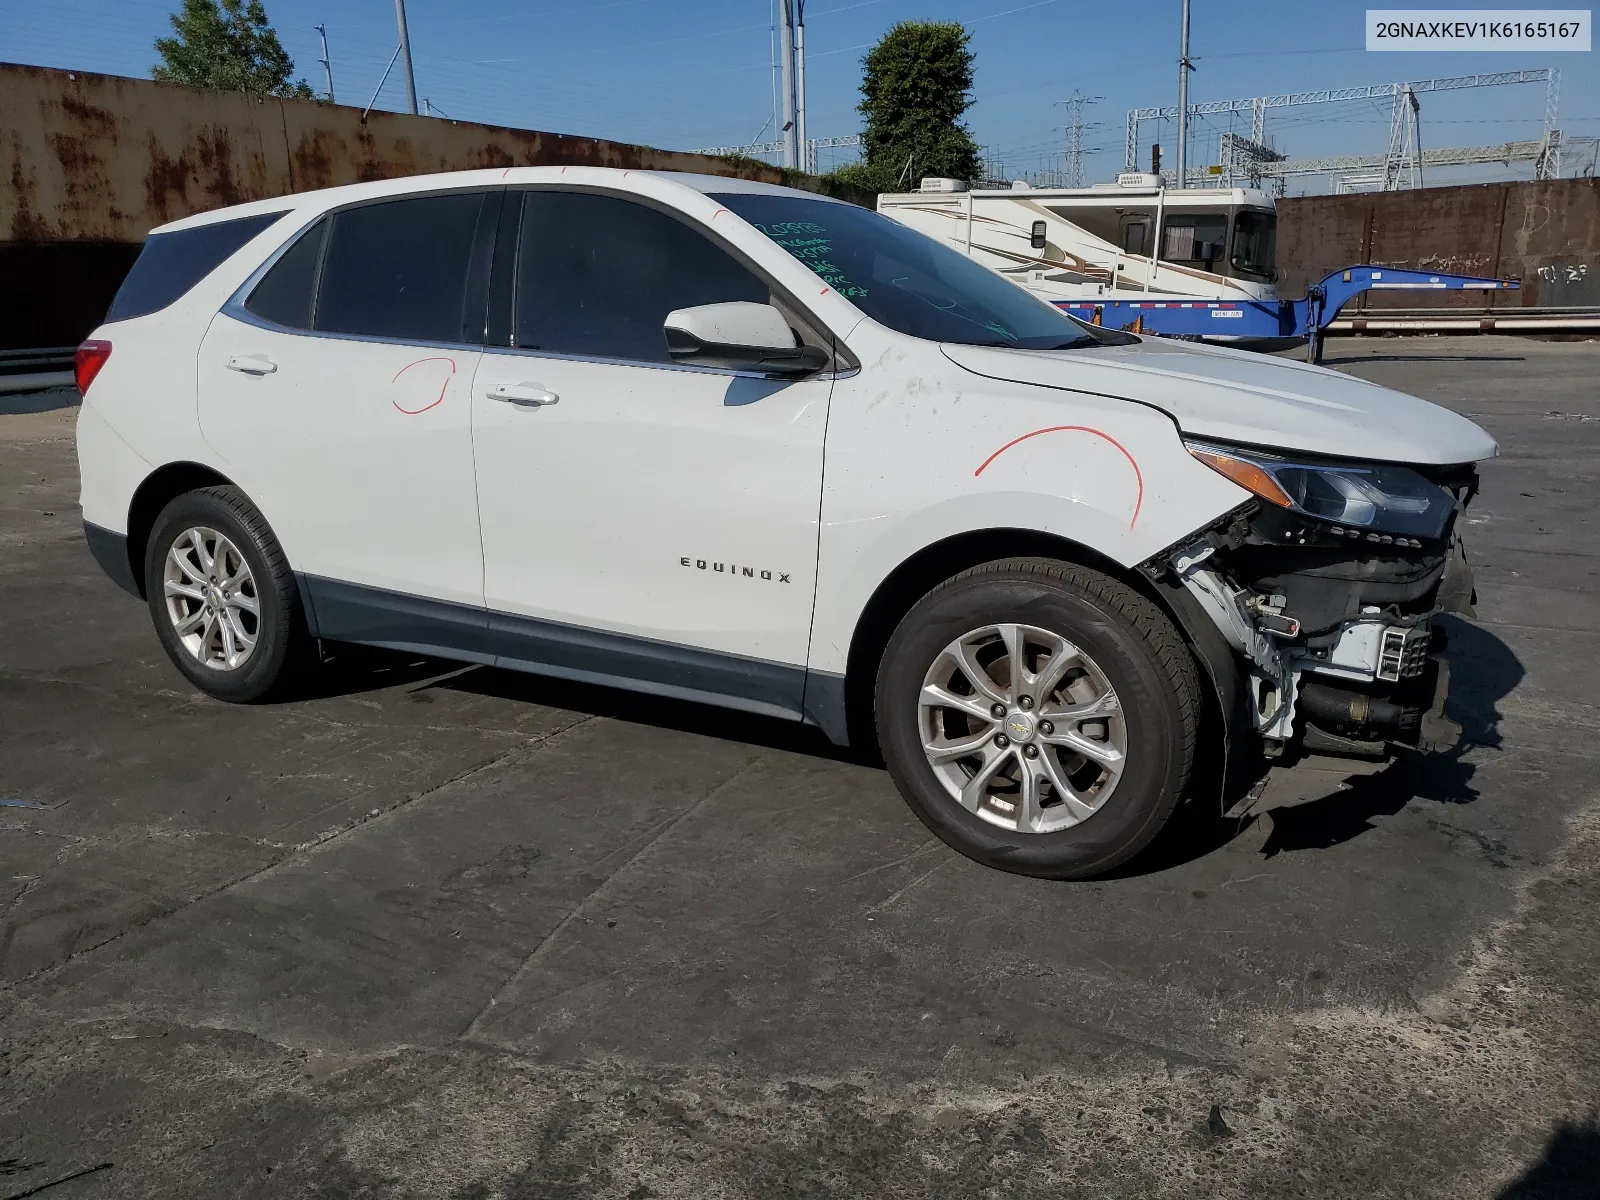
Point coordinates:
[(1127, 692), (251, 560)]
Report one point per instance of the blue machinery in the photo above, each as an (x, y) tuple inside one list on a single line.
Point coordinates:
[(1251, 319)]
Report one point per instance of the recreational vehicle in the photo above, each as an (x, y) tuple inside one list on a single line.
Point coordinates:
[(1094, 242)]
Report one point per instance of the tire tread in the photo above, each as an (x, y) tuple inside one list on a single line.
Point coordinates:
[(1170, 653), (296, 660)]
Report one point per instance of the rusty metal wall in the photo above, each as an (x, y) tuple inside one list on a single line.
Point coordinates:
[(96, 161), (1546, 233), (103, 158)]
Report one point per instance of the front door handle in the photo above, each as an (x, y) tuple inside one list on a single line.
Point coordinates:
[(528, 395), (252, 364)]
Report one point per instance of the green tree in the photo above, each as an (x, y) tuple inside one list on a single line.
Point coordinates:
[(916, 86), (227, 45)]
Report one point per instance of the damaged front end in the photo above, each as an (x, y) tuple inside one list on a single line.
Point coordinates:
[(1325, 589)]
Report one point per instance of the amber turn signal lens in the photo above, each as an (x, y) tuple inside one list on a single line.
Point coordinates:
[(1246, 474)]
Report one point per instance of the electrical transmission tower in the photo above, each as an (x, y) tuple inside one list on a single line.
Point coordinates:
[(1076, 128), (1403, 162)]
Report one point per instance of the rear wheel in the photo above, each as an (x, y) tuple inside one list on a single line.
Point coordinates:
[(223, 598), (1039, 717)]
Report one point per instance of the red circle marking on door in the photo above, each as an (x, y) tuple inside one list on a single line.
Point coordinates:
[(443, 387)]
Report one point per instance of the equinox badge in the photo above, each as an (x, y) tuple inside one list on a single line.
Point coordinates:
[(730, 569)]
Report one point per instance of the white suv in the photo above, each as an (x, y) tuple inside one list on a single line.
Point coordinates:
[(739, 444)]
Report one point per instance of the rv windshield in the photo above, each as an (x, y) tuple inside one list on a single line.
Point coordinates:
[(1255, 236), (908, 281)]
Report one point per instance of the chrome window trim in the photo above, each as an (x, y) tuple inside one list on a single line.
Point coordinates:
[(234, 306), (655, 364), (235, 309)]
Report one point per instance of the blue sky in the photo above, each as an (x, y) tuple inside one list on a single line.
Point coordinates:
[(687, 73)]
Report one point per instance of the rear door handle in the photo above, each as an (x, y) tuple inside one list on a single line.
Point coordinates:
[(252, 364), (528, 395)]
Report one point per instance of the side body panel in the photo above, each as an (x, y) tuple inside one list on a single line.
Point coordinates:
[(139, 413), (141, 410), (663, 503), (918, 453), (109, 470), (357, 451)]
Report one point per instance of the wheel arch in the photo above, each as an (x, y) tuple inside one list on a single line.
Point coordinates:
[(160, 488), (919, 574)]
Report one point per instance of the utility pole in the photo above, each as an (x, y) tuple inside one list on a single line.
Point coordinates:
[(806, 161), (1416, 128), (405, 53), (1184, 67), (326, 65), (790, 129)]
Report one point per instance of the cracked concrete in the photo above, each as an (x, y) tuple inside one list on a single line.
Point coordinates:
[(445, 932)]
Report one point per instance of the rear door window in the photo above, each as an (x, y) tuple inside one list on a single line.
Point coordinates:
[(406, 269), (172, 263), (597, 275)]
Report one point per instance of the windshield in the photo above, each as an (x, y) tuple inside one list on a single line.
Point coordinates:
[(907, 281), (1255, 236)]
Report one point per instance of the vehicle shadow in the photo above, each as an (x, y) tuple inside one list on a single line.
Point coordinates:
[(1569, 1170), (1483, 670), (16, 404), (350, 670)]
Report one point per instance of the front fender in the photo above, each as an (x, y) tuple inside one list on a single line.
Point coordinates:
[(1114, 478)]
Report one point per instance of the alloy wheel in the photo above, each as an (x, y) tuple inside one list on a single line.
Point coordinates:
[(211, 599), (1022, 728)]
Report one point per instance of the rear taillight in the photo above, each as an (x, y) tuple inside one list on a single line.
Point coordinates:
[(86, 363)]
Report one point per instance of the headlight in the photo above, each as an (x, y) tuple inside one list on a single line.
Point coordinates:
[(1381, 497)]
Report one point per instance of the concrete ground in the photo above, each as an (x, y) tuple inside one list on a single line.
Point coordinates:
[(460, 933)]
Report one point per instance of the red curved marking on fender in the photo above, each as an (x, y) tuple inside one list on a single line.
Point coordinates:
[(718, 213), (1138, 476), (443, 387)]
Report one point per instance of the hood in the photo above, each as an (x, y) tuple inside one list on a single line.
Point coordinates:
[(1254, 399)]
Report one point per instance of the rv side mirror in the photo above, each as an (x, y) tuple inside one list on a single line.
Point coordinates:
[(1037, 240)]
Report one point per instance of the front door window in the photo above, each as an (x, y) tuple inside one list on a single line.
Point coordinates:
[(597, 276)]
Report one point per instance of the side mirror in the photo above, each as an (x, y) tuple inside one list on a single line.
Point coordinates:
[(739, 336), (1037, 239)]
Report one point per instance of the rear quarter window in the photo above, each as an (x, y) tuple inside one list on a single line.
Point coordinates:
[(172, 263), (287, 293)]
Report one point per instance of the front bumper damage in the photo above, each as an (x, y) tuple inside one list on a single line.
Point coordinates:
[(1331, 643)]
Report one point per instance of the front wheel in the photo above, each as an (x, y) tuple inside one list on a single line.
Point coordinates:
[(1039, 717)]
